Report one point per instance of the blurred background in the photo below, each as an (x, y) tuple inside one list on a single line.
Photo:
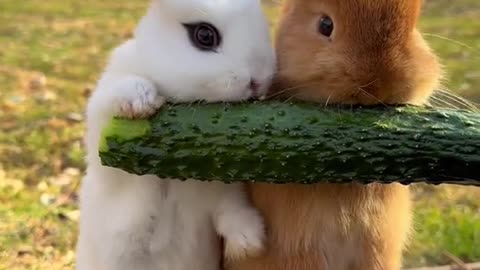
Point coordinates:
[(52, 52)]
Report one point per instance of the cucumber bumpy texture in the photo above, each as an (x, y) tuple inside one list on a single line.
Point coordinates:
[(298, 142)]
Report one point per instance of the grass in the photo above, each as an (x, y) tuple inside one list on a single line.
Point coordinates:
[(453, 32), (50, 56)]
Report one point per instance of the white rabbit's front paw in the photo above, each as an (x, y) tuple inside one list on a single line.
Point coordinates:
[(244, 236), (137, 98)]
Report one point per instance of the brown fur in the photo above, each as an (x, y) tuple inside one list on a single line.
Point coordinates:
[(331, 227), (375, 55)]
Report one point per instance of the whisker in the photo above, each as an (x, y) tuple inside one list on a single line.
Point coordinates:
[(291, 97), (194, 109), (446, 94), (229, 85), (368, 84), (291, 89), (457, 96), (372, 96), (282, 91), (454, 41), (460, 102), (328, 100), (201, 11), (440, 101), (190, 104), (428, 103)]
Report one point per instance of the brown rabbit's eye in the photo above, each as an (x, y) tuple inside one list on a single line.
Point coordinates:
[(325, 26), (204, 36)]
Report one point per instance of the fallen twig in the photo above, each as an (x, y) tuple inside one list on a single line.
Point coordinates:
[(461, 264), (470, 266)]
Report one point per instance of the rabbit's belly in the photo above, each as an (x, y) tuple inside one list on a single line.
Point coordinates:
[(192, 242)]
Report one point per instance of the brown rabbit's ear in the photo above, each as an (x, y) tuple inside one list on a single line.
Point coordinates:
[(408, 12)]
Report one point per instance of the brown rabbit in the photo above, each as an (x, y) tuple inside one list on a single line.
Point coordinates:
[(353, 52)]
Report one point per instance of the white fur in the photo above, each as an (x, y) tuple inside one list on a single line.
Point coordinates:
[(142, 222)]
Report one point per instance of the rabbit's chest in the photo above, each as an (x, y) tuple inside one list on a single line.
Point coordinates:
[(184, 231)]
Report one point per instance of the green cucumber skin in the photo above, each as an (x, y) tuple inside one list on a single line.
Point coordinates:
[(302, 143)]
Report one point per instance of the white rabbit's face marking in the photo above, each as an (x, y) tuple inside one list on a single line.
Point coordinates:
[(204, 36), (240, 67)]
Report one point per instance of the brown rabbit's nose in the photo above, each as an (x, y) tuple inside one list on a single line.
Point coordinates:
[(254, 86)]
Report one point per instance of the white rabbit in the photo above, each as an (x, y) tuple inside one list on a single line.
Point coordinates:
[(182, 50)]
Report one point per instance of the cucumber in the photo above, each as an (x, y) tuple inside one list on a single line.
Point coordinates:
[(298, 142)]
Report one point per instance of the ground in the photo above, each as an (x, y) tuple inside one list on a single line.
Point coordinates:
[(50, 56)]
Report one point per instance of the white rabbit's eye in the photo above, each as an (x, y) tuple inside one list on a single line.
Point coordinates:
[(325, 26), (204, 36)]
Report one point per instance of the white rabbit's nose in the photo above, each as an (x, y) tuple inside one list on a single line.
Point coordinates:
[(254, 86)]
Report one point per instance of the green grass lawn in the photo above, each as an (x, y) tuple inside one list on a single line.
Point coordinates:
[(50, 56)]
